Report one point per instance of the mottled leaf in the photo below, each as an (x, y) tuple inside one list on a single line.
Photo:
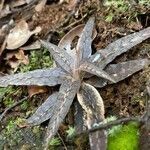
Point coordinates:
[(105, 56), (40, 77), (79, 118), (61, 57), (92, 103), (66, 95), (119, 71), (45, 111), (91, 68), (84, 49)]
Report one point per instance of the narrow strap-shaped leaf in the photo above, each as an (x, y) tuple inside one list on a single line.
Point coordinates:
[(91, 68), (45, 111), (92, 103), (60, 56), (105, 56), (79, 118), (85, 40), (40, 77), (66, 95), (119, 71)]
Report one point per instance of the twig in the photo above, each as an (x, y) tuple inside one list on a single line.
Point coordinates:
[(65, 147), (112, 123), (11, 107), (78, 21), (74, 23)]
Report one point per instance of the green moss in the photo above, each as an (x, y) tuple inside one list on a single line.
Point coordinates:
[(144, 2), (126, 138), (119, 5), (71, 132), (37, 59), (10, 128), (55, 142), (8, 102), (24, 105)]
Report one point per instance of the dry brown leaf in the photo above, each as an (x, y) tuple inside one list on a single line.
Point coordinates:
[(2, 47), (135, 25), (34, 45), (40, 5), (20, 34), (17, 3), (5, 11), (28, 1), (33, 90), (3, 34), (14, 59), (1, 4), (73, 4)]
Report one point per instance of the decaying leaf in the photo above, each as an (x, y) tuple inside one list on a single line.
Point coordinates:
[(20, 34), (15, 58), (4, 31), (73, 4), (33, 90), (1, 4), (5, 11), (17, 3), (40, 5), (66, 41), (32, 46)]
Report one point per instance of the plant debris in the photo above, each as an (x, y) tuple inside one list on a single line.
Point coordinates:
[(20, 35)]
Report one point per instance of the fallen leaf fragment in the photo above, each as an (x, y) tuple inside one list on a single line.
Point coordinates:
[(14, 59), (5, 11), (1, 4), (32, 46), (40, 5), (33, 90), (17, 3), (3, 34), (20, 34)]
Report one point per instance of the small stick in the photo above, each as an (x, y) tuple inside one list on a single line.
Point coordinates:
[(65, 147), (11, 107), (112, 123)]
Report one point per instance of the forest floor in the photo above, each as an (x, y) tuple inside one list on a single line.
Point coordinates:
[(124, 99)]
